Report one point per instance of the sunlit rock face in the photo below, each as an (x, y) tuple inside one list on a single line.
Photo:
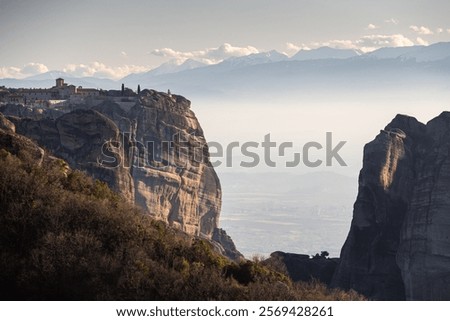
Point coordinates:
[(398, 246), (150, 148)]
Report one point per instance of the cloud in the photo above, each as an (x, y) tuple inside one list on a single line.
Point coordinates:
[(34, 68), (209, 55), (392, 21), (341, 44), (292, 49), (448, 30), (94, 69), (372, 42), (421, 30), (439, 30), (10, 72), (422, 42), (364, 44), (30, 69), (100, 70), (371, 26), (123, 54)]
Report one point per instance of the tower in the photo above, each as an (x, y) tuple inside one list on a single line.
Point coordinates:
[(59, 82)]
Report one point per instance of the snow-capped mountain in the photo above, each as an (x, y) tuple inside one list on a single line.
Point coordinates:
[(254, 59), (172, 66), (325, 53), (434, 52), (391, 52), (52, 75)]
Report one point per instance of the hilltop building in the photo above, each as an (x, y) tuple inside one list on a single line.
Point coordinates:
[(65, 95)]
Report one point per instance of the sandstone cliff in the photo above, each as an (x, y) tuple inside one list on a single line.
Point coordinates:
[(398, 246), (152, 151)]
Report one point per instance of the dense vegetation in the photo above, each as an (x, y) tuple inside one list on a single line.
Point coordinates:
[(65, 236)]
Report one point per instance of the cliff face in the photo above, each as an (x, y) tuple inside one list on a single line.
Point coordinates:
[(398, 246), (152, 151), (424, 251)]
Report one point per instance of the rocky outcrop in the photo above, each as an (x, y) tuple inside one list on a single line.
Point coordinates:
[(398, 246), (6, 125), (79, 138), (301, 267), (18, 145), (153, 153), (225, 245)]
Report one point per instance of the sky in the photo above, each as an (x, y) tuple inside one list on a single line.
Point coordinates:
[(111, 38)]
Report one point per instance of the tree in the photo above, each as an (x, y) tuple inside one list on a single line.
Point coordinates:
[(123, 89), (324, 254), (139, 89)]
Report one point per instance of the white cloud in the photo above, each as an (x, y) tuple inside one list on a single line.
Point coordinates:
[(30, 69), (34, 68), (421, 41), (448, 30), (94, 69), (100, 70), (392, 21), (123, 54), (371, 26), (439, 30), (372, 42), (292, 49), (10, 72), (364, 44), (209, 55), (421, 30), (341, 44)]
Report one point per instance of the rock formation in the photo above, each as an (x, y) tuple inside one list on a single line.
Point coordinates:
[(398, 246), (224, 244), (6, 125), (17, 144), (301, 267), (152, 151)]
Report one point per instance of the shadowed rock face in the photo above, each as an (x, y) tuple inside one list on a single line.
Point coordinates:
[(398, 246), (424, 252), (126, 148), (17, 144), (301, 267)]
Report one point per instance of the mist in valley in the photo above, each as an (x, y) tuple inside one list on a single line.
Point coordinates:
[(300, 209)]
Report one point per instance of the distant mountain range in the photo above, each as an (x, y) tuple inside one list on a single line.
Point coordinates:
[(247, 75)]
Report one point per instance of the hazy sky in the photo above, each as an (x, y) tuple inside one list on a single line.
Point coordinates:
[(112, 38)]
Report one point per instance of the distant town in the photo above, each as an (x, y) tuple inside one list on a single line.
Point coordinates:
[(61, 98)]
